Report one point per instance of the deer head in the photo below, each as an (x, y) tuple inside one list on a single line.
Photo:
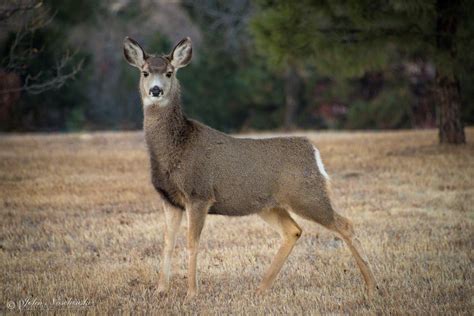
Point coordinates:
[(158, 83)]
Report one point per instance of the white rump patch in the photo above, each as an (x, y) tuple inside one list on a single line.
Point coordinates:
[(319, 163)]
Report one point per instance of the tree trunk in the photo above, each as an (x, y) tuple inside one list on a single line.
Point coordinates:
[(451, 129), (292, 91)]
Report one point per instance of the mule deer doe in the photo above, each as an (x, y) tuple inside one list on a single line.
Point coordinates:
[(202, 171)]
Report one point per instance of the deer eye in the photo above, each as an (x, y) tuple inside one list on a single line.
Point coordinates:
[(145, 74), (168, 74)]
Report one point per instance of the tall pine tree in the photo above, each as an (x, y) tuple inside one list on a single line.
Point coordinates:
[(350, 38)]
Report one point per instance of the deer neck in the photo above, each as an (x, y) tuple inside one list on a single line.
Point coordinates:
[(167, 131)]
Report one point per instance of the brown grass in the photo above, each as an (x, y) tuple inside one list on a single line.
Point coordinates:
[(80, 220)]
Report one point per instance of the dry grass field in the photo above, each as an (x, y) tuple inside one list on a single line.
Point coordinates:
[(82, 229)]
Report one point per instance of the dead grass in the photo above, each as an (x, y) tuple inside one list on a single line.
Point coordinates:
[(80, 220)]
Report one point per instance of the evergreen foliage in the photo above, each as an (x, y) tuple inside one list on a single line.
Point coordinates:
[(236, 80), (347, 39)]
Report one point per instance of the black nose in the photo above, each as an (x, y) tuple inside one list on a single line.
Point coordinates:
[(156, 91)]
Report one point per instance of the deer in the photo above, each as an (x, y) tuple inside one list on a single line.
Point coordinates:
[(197, 170)]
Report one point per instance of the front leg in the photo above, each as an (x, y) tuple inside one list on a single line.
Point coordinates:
[(196, 213), (173, 218)]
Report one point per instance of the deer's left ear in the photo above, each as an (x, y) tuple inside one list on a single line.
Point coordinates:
[(182, 53)]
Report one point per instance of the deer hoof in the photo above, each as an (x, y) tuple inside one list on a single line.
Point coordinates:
[(260, 291), (162, 288), (190, 295)]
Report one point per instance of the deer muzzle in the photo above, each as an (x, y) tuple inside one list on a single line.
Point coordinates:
[(156, 91)]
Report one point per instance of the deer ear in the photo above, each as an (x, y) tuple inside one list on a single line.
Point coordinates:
[(133, 52), (182, 53)]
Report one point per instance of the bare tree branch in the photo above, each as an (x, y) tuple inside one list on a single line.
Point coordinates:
[(9, 10), (32, 86), (228, 17), (22, 52)]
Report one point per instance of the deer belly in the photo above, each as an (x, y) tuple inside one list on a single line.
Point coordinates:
[(236, 206)]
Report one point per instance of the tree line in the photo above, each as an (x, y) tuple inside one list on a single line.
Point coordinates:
[(264, 64)]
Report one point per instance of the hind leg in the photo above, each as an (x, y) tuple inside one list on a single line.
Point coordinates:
[(317, 208), (290, 232), (344, 227)]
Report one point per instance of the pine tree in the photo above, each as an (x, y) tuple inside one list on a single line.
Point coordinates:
[(350, 38)]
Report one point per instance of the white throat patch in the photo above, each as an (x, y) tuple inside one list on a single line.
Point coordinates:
[(160, 101), (319, 163), (147, 101)]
